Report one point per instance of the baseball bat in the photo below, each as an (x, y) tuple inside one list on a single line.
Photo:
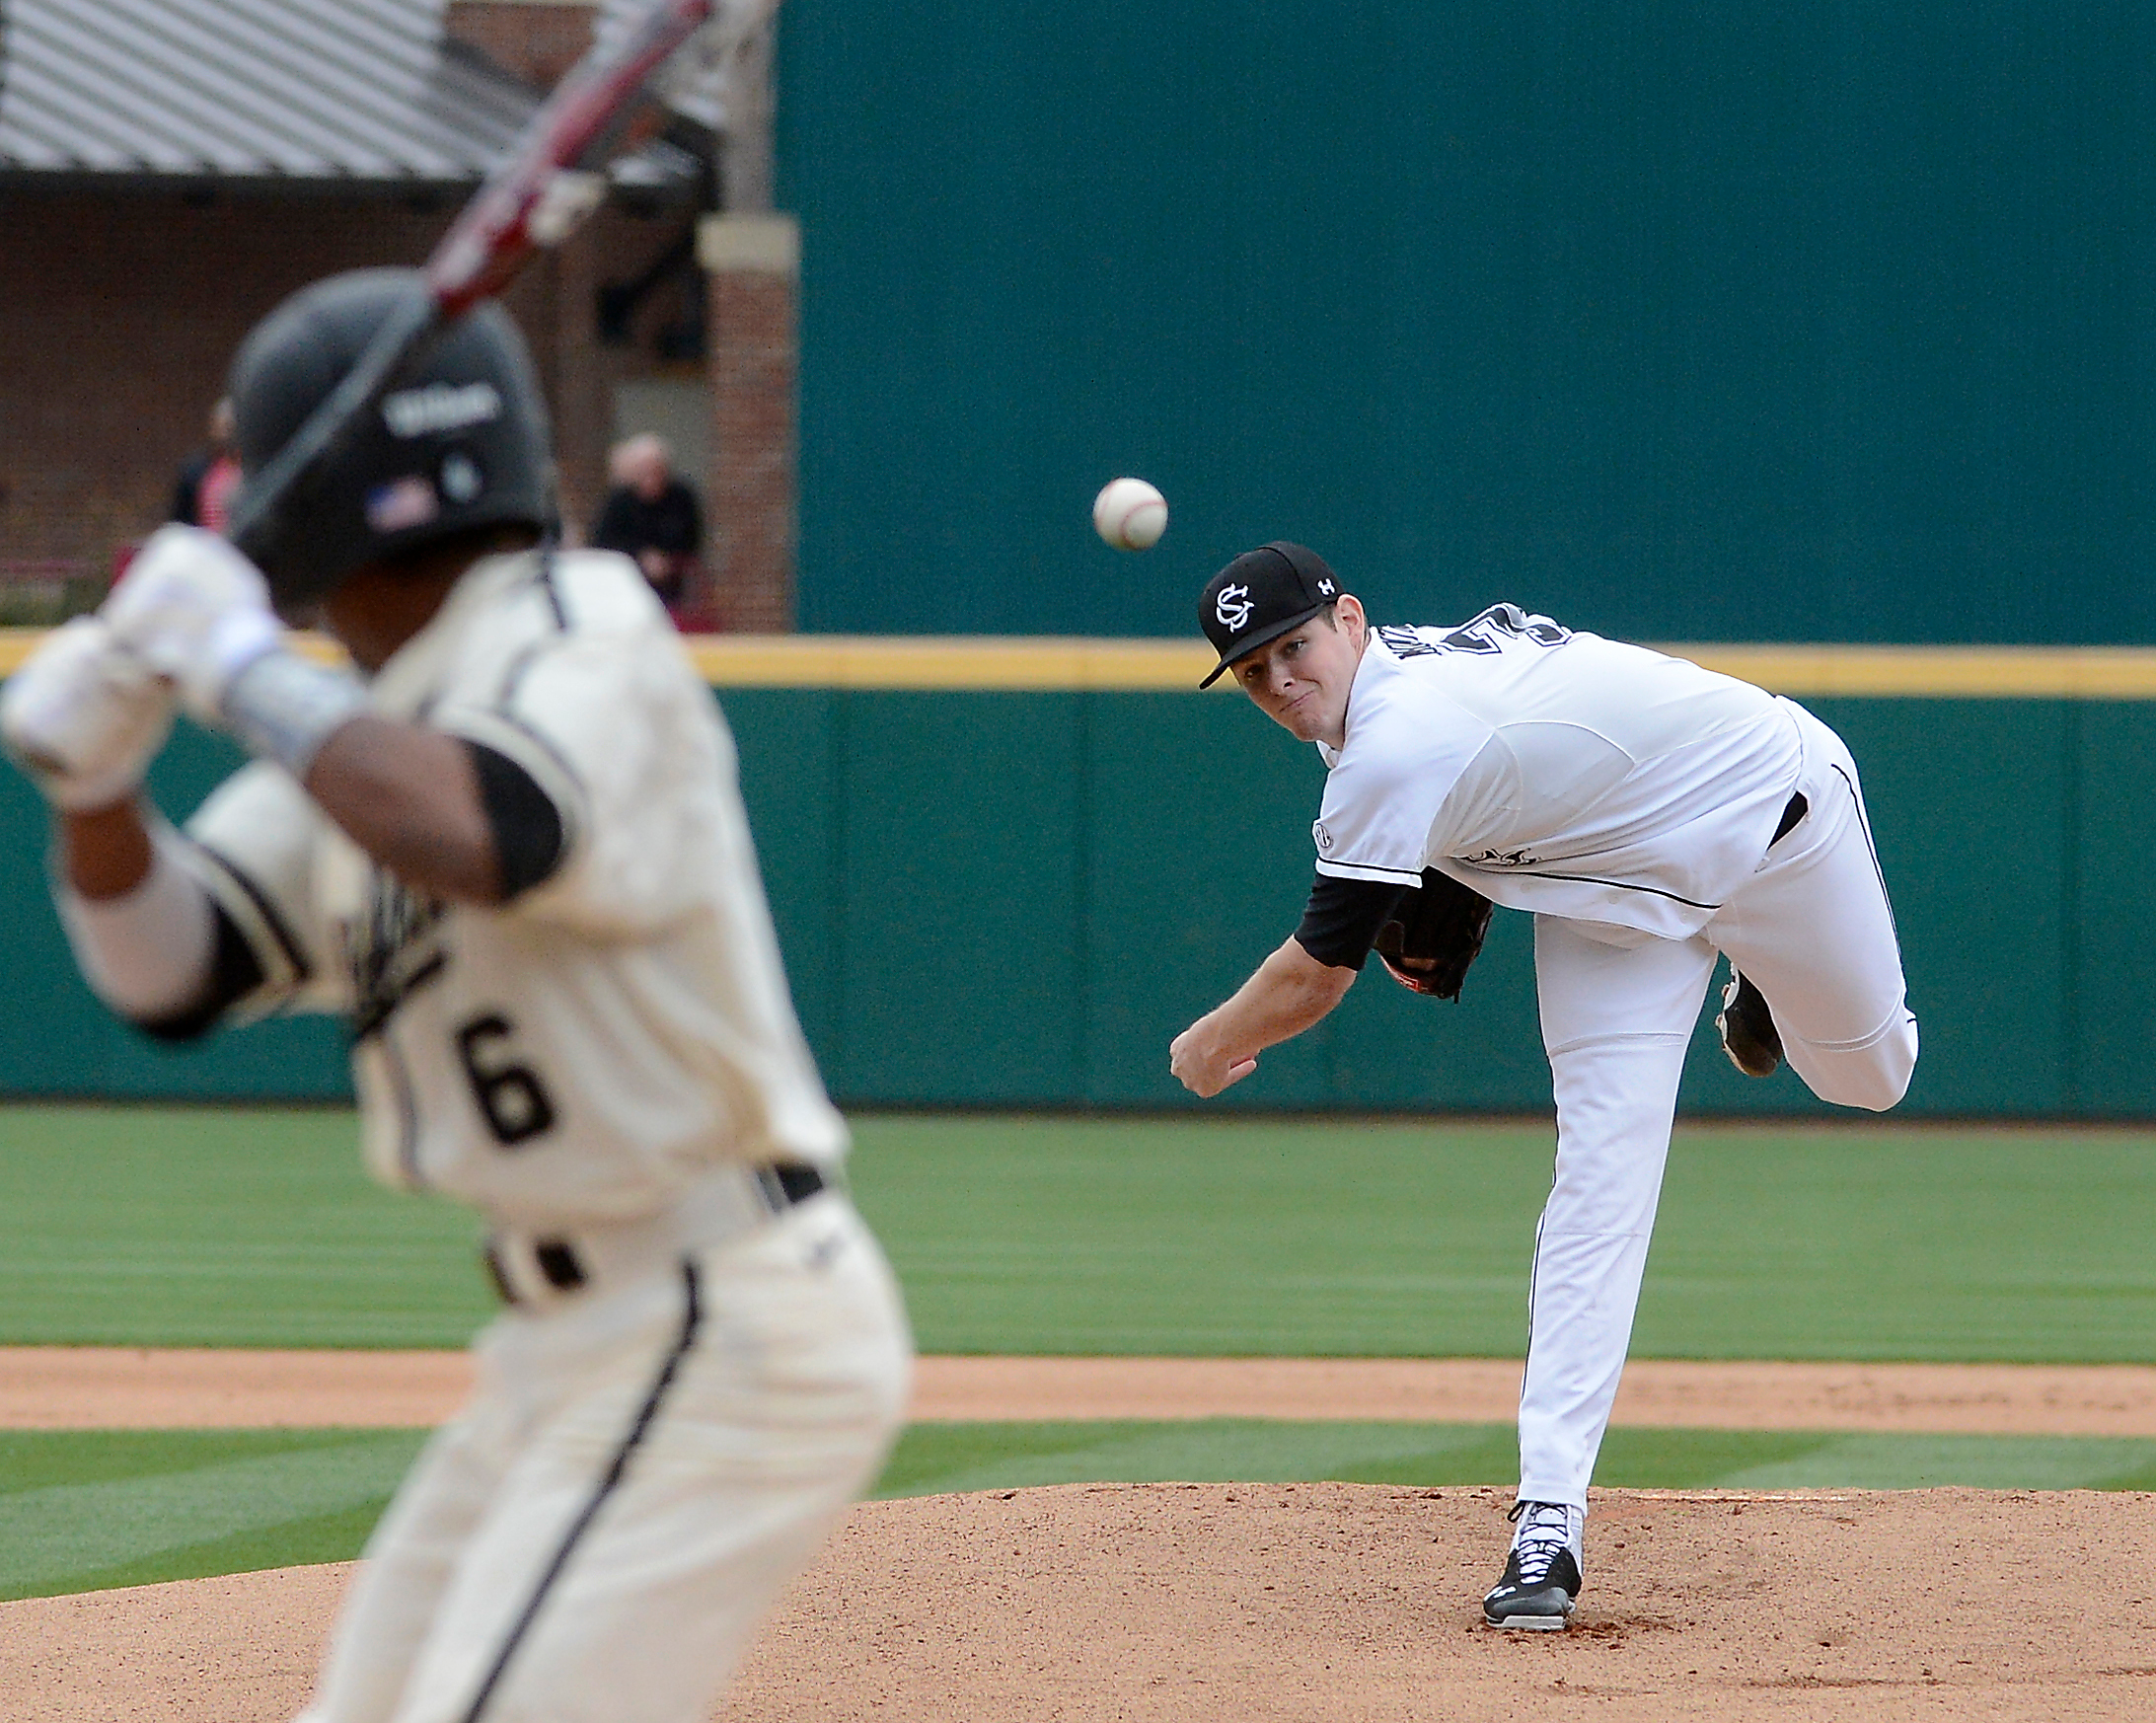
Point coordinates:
[(531, 198)]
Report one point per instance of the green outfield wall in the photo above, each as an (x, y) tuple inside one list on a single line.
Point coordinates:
[(1672, 318), (996, 895)]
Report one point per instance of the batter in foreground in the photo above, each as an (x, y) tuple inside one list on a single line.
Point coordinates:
[(1648, 814), (513, 854)]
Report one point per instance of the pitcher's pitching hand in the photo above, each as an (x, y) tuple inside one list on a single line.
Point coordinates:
[(1202, 1070)]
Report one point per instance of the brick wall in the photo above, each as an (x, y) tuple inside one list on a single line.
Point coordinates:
[(753, 263), (124, 309), (122, 312)]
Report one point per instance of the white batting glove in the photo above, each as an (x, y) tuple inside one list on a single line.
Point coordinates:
[(84, 717), (194, 610)]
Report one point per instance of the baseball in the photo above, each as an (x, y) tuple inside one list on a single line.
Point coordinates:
[(1129, 515)]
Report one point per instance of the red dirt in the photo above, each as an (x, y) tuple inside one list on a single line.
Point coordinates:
[(1137, 1602), (1087, 1604), (61, 1387)]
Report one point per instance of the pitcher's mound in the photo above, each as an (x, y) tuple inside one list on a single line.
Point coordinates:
[(1318, 1602)]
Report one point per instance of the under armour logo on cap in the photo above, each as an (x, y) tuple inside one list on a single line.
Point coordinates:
[(1260, 596)]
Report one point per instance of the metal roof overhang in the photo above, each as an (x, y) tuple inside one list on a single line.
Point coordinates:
[(281, 97)]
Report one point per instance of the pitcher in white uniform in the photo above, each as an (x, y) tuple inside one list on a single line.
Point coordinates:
[(513, 854), (1649, 814)]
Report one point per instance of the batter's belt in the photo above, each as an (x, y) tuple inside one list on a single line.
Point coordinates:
[(536, 1269)]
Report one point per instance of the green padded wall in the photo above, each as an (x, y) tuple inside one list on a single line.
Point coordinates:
[(2109, 1012), (961, 855), (1001, 899), (55, 1039)]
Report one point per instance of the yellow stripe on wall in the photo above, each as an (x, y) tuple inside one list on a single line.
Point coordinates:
[(1046, 665), (989, 662), (946, 661), (1940, 672)]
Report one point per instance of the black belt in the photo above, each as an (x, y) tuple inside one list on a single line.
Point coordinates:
[(788, 1182), (782, 1183)]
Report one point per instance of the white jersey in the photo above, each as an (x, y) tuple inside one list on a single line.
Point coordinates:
[(1556, 771), (582, 1052)]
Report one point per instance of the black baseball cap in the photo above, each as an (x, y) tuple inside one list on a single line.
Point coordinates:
[(1260, 596)]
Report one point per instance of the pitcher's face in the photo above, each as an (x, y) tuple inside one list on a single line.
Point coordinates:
[(1301, 681)]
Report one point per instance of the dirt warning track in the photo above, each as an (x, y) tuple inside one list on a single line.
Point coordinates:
[(61, 1388)]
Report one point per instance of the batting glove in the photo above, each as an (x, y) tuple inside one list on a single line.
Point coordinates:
[(84, 717), (194, 610)]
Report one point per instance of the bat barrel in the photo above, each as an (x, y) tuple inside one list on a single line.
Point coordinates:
[(493, 236)]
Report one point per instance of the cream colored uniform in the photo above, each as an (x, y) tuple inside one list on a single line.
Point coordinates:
[(702, 1364)]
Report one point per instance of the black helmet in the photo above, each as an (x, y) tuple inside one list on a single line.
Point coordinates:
[(462, 443)]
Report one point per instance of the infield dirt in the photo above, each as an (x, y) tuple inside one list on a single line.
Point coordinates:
[(113, 1387), (1087, 1602)]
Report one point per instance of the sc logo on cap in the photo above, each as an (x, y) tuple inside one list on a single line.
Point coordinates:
[(1233, 608)]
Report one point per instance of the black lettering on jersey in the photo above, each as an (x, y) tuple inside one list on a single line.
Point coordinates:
[(395, 952), (1406, 642), (1484, 634), (510, 1097)]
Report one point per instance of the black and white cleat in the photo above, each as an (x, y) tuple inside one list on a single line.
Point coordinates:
[(1541, 1576)]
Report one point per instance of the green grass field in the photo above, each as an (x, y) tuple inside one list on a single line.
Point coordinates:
[(167, 1227), (139, 1225), (80, 1511)]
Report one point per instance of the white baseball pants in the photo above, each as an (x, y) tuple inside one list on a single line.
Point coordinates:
[(595, 1536), (1813, 930)]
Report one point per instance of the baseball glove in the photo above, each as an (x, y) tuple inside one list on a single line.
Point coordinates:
[(1434, 935)]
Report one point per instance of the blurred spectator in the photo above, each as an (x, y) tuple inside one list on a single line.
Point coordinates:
[(651, 516), (202, 497)]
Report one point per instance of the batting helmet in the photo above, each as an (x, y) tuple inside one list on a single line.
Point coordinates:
[(460, 443)]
